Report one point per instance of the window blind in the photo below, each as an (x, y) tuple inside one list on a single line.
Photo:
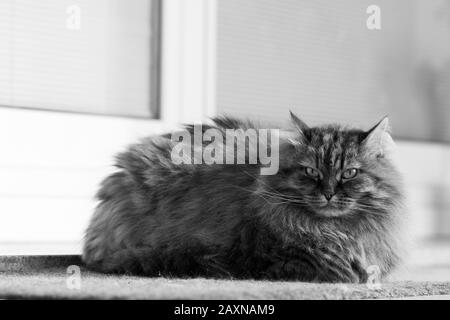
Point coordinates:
[(319, 59), (90, 56)]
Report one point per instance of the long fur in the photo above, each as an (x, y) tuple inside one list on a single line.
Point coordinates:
[(158, 218)]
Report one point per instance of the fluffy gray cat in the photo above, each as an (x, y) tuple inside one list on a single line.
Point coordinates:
[(332, 210)]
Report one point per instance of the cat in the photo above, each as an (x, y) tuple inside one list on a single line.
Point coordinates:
[(333, 209)]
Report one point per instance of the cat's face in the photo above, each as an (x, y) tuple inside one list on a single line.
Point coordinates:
[(332, 171)]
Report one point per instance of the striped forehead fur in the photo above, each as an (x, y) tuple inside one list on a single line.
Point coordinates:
[(333, 145)]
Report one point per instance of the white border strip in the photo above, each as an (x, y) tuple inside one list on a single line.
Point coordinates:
[(188, 60)]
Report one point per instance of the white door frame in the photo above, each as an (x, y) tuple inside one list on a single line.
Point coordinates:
[(189, 60)]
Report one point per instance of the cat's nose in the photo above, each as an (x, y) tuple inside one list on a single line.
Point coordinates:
[(328, 195)]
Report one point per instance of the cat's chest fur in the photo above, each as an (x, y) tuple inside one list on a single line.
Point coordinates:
[(298, 254)]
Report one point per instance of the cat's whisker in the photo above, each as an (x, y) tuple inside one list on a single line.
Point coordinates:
[(278, 196), (362, 204), (367, 205), (355, 204), (261, 195), (281, 202), (265, 184), (284, 199), (287, 198), (312, 198), (305, 198)]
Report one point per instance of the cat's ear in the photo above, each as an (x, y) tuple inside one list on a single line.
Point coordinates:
[(302, 130), (378, 141), (298, 123)]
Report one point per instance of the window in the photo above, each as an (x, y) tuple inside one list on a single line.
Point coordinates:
[(88, 56), (319, 59)]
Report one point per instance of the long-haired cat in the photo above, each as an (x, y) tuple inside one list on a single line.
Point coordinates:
[(332, 210)]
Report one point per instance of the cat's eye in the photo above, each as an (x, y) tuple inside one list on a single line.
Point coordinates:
[(350, 173), (313, 173)]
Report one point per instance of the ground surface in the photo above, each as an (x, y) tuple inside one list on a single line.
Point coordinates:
[(48, 277)]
